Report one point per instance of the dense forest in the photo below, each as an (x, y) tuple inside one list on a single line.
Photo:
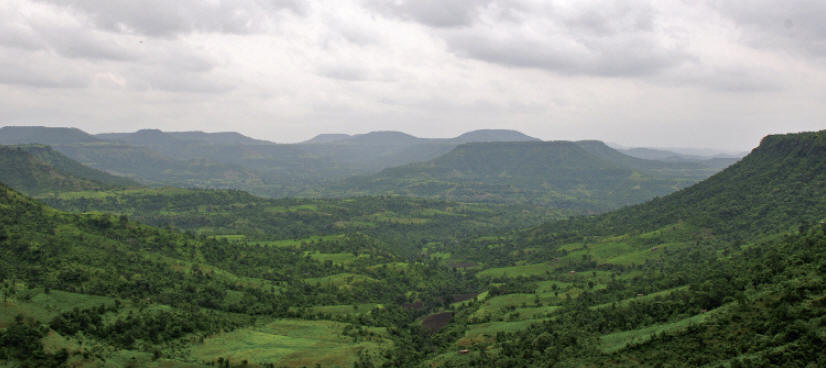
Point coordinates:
[(98, 270), (380, 163)]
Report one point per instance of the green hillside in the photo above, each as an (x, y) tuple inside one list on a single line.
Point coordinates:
[(584, 176), (779, 184), (88, 289), (401, 223), (726, 273), (35, 169), (730, 272), (44, 135)]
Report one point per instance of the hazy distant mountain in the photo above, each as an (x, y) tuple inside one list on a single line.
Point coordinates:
[(231, 160), (136, 162), (375, 151), (717, 162), (493, 135), (657, 154), (44, 135), (34, 169), (155, 136), (326, 138), (581, 175), (381, 138)]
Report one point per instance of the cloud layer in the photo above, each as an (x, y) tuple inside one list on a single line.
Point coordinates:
[(636, 72)]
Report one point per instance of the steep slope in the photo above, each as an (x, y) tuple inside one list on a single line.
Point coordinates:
[(135, 162), (578, 175), (778, 184), (729, 272), (96, 280), (35, 169)]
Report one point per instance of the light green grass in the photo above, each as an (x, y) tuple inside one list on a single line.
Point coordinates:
[(340, 279), (537, 269), (647, 297), (618, 340), (494, 307), (390, 217), (230, 237), (284, 342), (44, 306), (346, 309), (486, 332), (440, 255), (342, 258), (299, 242)]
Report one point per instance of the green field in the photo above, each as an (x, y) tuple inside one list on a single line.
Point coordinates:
[(290, 343), (538, 269), (615, 341)]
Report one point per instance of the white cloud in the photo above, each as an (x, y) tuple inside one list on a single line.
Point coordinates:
[(630, 72)]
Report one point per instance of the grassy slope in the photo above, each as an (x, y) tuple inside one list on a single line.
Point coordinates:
[(650, 255), (36, 169), (572, 175)]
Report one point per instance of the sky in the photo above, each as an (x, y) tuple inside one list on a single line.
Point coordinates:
[(690, 73)]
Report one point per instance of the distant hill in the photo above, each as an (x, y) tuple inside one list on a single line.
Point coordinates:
[(35, 169), (155, 136), (493, 135), (579, 175), (140, 163), (231, 160), (44, 135), (375, 151), (381, 138), (289, 169), (657, 154), (326, 138), (714, 161), (781, 182)]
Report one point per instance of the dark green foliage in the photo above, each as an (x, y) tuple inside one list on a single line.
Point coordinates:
[(155, 327), (35, 169), (781, 184), (403, 222), (729, 272), (21, 342), (580, 176)]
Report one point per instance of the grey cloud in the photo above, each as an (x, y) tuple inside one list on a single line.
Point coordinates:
[(614, 57), (82, 44), (170, 81), (727, 79), (164, 18), (18, 36), (66, 40), (793, 25), (345, 73), (606, 19), (435, 13), (589, 38), (40, 74)]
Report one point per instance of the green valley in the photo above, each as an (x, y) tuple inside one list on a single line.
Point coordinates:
[(466, 259)]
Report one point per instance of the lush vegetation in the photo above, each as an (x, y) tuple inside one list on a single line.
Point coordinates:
[(726, 273), (487, 165), (584, 176), (35, 169)]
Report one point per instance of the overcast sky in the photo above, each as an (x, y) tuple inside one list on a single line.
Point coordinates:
[(718, 74)]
